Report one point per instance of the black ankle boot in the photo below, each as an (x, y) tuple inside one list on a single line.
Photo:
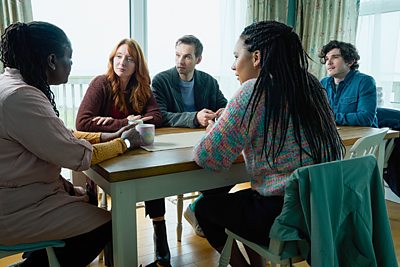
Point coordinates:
[(161, 249)]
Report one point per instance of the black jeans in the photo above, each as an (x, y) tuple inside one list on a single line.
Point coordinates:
[(245, 213)]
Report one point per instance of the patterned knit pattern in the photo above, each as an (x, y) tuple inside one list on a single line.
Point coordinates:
[(228, 138)]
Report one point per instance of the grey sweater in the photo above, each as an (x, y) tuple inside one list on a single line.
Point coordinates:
[(165, 86)]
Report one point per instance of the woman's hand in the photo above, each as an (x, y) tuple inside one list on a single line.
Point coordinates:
[(139, 117), (102, 120), (133, 137), (210, 125), (105, 137), (219, 112), (134, 117)]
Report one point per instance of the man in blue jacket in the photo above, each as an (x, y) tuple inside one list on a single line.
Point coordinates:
[(351, 94)]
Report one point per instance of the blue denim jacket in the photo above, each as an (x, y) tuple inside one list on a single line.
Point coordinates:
[(354, 102)]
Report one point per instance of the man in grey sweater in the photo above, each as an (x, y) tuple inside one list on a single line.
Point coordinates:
[(187, 97)]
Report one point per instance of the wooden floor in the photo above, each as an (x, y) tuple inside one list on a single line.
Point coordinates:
[(194, 251)]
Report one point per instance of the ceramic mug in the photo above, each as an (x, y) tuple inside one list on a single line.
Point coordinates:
[(146, 132)]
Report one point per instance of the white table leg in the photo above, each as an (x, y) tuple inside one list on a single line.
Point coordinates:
[(123, 208)]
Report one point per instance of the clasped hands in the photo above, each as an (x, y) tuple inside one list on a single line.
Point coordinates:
[(204, 116)]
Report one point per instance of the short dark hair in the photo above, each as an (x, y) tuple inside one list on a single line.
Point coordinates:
[(191, 40), (347, 50)]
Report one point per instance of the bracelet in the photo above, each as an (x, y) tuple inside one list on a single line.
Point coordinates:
[(127, 142)]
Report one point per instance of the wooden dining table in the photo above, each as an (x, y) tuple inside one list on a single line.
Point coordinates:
[(140, 175)]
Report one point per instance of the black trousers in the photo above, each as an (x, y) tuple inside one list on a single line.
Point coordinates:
[(245, 213), (156, 208), (78, 251)]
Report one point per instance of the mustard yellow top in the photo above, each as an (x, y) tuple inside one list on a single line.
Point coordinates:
[(102, 151)]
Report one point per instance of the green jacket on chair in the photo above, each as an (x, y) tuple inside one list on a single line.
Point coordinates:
[(338, 212)]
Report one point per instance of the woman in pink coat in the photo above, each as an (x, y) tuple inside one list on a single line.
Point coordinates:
[(36, 203)]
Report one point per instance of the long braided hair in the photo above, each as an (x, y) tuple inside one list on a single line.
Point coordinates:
[(26, 46), (290, 93), (139, 83)]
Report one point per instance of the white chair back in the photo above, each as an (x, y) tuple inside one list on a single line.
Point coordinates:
[(368, 144)]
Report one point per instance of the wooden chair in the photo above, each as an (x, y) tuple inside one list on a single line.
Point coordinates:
[(6, 251), (179, 209)]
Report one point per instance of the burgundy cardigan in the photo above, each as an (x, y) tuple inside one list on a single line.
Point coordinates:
[(98, 102)]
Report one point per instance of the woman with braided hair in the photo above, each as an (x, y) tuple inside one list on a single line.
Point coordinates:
[(280, 120), (37, 204)]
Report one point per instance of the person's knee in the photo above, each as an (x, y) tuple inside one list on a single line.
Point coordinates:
[(155, 208), (158, 219)]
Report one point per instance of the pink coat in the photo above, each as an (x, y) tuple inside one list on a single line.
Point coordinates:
[(34, 145)]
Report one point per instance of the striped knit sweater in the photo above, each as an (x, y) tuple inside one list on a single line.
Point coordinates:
[(228, 138)]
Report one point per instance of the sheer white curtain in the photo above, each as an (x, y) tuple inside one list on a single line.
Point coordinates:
[(378, 43), (233, 19), (216, 23)]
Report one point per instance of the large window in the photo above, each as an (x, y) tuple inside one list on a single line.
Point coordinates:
[(217, 23), (378, 42), (93, 26), (183, 17)]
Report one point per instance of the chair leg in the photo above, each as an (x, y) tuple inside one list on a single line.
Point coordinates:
[(103, 205), (103, 202), (53, 261), (179, 207), (226, 252)]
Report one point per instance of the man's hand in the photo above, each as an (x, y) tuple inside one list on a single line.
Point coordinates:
[(204, 115)]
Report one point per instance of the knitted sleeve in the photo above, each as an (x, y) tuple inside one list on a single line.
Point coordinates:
[(108, 150), (102, 151), (223, 144), (92, 138), (97, 102)]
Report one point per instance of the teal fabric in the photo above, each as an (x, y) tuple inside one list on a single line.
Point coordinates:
[(32, 246), (338, 213), (192, 206)]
